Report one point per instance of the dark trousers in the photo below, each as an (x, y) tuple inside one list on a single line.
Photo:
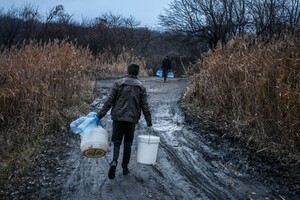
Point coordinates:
[(165, 74), (122, 130)]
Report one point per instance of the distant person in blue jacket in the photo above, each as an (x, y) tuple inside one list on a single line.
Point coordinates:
[(166, 67)]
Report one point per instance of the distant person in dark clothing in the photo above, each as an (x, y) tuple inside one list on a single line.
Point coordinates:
[(128, 99), (166, 67)]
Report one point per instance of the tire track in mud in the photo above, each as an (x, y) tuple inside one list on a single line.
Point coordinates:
[(196, 179), (181, 158)]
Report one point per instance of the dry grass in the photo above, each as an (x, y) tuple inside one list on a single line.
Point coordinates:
[(111, 66), (42, 88), (256, 88)]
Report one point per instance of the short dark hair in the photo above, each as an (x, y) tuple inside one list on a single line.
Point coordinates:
[(133, 69)]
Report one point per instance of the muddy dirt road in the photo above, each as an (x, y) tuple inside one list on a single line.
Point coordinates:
[(191, 162)]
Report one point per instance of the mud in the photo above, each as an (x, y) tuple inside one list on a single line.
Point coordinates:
[(193, 162)]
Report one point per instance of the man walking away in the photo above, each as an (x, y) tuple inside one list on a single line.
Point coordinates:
[(127, 98), (166, 66)]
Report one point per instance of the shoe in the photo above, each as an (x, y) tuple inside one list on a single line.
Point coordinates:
[(125, 171), (112, 169)]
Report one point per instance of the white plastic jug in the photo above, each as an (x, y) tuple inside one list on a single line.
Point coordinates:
[(94, 144), (147, 149)]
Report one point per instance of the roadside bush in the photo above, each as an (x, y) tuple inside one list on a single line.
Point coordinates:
[(255, 87), (42, 88)]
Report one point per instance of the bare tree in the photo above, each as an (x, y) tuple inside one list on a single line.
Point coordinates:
[(10, 27), (58, 20), (292, 13), (210, 20), (240, 17), (214, 21), (31, 20)]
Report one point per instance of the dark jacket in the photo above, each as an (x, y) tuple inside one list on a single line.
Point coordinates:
[(128, 97), (166, 64)]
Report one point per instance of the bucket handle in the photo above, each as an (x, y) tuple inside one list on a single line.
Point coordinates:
[(150, 130)]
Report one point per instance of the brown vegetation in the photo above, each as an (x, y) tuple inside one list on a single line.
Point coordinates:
[(255, 87), (42, 88)]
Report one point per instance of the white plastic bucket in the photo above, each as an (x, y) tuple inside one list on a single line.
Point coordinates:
[(94, 144), (147, 149)]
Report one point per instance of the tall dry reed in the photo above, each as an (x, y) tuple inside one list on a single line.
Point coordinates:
[(256, 88), (42, 88), (108, 65), (38, 82)]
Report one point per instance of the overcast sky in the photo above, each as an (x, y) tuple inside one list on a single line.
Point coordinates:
[(145, 11)]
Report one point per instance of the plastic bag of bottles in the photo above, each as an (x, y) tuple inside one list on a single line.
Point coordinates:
[(170, 74), (159, 73), (85, 124)]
